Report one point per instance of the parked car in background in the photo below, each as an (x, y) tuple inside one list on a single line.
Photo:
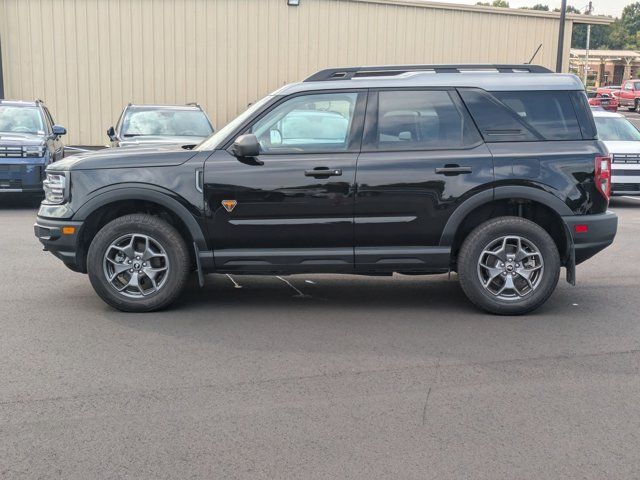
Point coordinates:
[(605, 101), (629, 95), (622, 139), (608, 90), (495, 172), (29, 141), (146, 125)]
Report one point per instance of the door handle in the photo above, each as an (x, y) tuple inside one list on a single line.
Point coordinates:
[(453, 170), (320, 172)]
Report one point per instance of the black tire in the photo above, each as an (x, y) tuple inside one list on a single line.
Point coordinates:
[(471, 253), (635, 106), (176, 256)]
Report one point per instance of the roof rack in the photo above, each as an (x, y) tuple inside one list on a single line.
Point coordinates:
[(349, 73)]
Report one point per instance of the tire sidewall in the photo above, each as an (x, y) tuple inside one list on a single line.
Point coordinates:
[(161, 232), (491, 231)]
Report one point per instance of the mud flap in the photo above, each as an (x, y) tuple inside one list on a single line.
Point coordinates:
[(570, 264), (198, 265)]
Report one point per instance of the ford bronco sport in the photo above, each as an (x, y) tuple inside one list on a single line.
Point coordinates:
[(29, 141), (493, 171)]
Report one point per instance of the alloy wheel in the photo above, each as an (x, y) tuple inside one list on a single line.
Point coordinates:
[(510, 268), (136, 265)]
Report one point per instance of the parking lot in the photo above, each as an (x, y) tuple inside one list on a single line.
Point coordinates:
[(317, 376)]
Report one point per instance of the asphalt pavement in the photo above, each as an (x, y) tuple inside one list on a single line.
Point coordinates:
[(317, 376)]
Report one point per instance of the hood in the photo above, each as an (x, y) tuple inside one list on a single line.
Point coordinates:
[(125, 158), (10, 139), (159, 140), (622, 147)]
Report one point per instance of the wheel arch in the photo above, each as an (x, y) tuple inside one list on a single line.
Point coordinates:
[(538, 205), (111, 204)]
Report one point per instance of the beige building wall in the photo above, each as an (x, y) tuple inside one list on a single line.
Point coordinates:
[(88, 58)]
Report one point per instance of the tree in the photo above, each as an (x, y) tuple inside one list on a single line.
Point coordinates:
[(539, 6), (570, 9), (630, 19), (495, 3), (619, 38), (599, 36)]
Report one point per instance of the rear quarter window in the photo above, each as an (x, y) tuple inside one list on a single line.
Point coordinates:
[(524, 115)]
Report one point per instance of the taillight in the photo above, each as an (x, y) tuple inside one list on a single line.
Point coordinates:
[(603, 176)]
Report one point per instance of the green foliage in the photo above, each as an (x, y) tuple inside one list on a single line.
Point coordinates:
[(540, 6), (623, 33), (495, 3)]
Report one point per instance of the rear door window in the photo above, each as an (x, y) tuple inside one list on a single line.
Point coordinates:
[(422, 120)]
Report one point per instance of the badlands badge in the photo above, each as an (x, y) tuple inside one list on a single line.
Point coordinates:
[(229, 205)]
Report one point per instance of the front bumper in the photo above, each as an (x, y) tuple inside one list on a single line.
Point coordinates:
[(600, 232), (64, 246)]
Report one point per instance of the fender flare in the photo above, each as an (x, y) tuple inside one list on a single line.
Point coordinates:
[(155, 195), (499, 193)]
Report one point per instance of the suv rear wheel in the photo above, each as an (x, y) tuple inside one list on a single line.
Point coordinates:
[(508, 266), (138, 263)]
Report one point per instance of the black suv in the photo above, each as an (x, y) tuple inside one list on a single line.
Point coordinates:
[(494, 172), (29, 141)]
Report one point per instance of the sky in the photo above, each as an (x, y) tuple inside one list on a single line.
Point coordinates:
[(600, 7)]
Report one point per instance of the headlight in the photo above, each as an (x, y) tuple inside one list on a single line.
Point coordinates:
[(55, 188), (35, 151)]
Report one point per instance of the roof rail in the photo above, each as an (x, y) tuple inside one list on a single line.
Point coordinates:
[(349, 73)]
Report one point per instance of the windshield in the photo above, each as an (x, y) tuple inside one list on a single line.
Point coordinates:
[(140, 122), (214, 140), (616, 129), (21, 119)]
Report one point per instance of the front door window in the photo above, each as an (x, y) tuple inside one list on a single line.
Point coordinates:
[(320, 123)]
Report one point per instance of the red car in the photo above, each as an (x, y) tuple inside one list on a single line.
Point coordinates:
[(608, 89), (606, 101), (629, 95)]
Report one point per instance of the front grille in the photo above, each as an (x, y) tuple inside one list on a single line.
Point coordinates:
[(10, 169), (10, 184), (626, 173), (626, 158), (626, 187), (11, 152)]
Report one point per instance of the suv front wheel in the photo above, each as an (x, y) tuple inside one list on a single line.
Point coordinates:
[(508, 266), (138, 263)]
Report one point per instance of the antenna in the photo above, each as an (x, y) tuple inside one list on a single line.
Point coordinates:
[(534, 54)]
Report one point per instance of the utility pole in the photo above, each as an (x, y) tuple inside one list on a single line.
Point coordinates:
[(563, 16), (586, 55)]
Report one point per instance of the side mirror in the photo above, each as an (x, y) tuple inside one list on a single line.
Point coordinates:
[(246, 146), (58, 130), (111, 133)]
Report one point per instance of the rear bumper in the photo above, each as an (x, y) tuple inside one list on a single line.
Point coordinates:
[(63, 246), (600, 232)]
